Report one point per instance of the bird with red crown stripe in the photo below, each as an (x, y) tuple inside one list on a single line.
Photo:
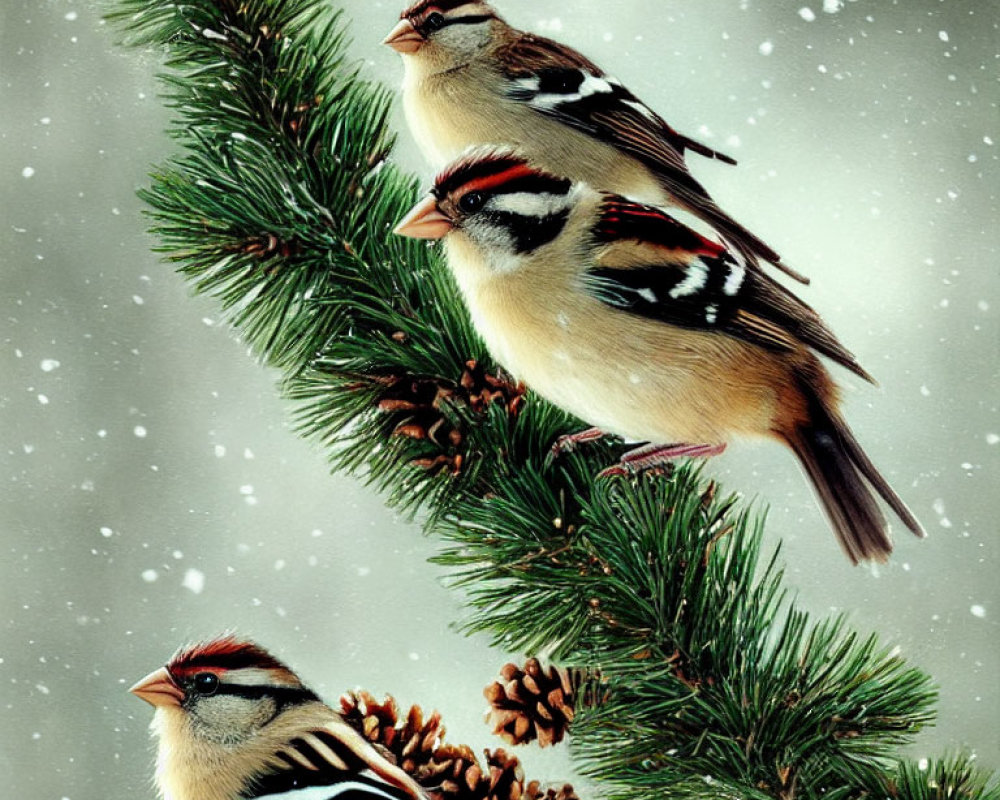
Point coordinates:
[(234, 723), (472, 79), (621, 315)]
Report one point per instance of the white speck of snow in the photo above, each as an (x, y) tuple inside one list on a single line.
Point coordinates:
[(106, 532), (992, 438), (194, 580), (966, 465), (316, 533), (987, 140), (43, 399), (42, 688), (139, 432), (943, 36), (414, 656), (248, 454), (554, 24), (733, 140), (279, 564), (70, 16), (207, 321), (45, 120), (364, 572), (938, 506), (766, 48), (246, 490), (923, 765), (832, 6), (978, 611), (102, 434), (49, 364), (982, 305), (177, 554), (138, 300), (150, 575), (608, 36), (220, 451), (807, 14), (28, 449), (925, 391), (27, 172)]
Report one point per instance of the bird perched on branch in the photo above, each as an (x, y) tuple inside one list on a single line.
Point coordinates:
[(624, 317), (234, 722), (472, 79)]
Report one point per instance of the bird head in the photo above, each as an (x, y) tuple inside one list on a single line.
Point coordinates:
[(224, 690), (497, 203), (444, 34)]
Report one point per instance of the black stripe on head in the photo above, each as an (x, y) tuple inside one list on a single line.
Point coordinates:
[(282, 695), (529, 233), (494, 172), (423, 6)]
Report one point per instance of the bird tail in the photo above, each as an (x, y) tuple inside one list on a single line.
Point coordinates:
[(844, 478)]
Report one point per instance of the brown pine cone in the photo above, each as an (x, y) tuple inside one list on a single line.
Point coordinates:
[(456, 774), (535, 792), (410, 744), (532, 704)]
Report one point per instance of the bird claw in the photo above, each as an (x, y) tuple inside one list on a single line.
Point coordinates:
[(651, 456), (569, 442)]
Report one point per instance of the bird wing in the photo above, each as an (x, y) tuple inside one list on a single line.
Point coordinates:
[(334, 759), (651, 265), (561, 83)]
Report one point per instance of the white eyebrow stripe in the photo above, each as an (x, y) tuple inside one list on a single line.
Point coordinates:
[(530, 204)]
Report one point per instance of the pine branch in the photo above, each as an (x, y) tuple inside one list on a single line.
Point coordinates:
[(280, 205)]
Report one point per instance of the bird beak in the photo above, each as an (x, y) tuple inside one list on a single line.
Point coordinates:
[(158, 689), (424, 221), (404, 38)]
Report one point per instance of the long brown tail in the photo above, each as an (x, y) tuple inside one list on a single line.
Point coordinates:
[(844, 478)]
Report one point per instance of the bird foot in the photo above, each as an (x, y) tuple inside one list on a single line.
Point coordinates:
[(569, 442), (658, 455)]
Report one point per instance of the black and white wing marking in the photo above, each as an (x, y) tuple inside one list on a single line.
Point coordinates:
[(651, 265), (318, 765), (559, 83)]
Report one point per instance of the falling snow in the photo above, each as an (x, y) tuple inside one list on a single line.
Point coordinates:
[(194, 580)]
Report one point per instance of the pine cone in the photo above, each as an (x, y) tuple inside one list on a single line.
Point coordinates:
[(532, 704), (457, 775), (419, 408), (411, 745), (535, 792)]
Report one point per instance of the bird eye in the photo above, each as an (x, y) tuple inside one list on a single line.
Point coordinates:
[(206, 683), (435, 21), (471, 202)]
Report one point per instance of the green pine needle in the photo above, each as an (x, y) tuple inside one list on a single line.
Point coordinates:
[(280, 205)]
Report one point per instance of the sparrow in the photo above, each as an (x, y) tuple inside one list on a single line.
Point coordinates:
[(234, 722), (472, 79), (621, 315)]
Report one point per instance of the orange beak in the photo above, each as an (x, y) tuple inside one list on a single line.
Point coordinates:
[(404, 38), (424, 221), (158, 689)]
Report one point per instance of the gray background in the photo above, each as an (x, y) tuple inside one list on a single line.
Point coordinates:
[(868, 141)]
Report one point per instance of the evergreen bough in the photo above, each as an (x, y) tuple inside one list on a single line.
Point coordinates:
[(280, 204)]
